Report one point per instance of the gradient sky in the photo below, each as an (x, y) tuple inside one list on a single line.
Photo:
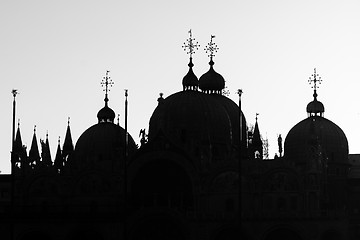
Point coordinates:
[(56, 53)]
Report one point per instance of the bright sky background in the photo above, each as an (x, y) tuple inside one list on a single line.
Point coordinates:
[(56, 53)]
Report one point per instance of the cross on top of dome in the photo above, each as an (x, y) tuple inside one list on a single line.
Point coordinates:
[(190, 46), (211, 49), (106, 83), (106, 114), (315, 108), (315, 79)]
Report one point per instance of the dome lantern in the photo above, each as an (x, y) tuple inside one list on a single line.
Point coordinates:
[(211, 82), (315, 107), (190, 80), (106, 114)]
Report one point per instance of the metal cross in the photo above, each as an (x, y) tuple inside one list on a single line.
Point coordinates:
[(211, 48), (107, 82), (314, 79), (190, 46)]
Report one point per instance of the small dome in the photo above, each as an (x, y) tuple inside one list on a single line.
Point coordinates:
[(190, 80), (211, 81), (106, 114), (315, 107)]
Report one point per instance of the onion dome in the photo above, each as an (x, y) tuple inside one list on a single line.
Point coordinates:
[(315, 107), (211, 81), (190, 80), (106, 114)]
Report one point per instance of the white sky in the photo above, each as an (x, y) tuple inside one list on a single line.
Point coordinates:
[(56, 53)]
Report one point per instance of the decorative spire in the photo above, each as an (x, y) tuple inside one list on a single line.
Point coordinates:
[(106, 83), (19, 151), (315, 79), (18, 142), (45, 152), (59, 161), (34, 155), (68, 146), (257, 143), (211, 49)]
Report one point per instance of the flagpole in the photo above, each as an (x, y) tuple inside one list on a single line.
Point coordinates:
[(14, 93), (239, 92), (125, 165)]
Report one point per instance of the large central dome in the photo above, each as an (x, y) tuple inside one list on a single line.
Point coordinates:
[(206, 124), (194, 116)]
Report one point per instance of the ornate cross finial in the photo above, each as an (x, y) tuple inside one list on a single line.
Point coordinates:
[(190, 46), (211, 48), (315, 79), (256, 117), (106, 82)]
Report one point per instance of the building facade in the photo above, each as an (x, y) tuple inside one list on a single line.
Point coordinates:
[(198, 174)]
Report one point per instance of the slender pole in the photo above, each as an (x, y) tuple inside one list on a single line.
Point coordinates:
[(125, 165), (239, 92), (14, 93)]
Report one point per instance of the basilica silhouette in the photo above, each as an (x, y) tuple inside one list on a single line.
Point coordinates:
[(198, 173)]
